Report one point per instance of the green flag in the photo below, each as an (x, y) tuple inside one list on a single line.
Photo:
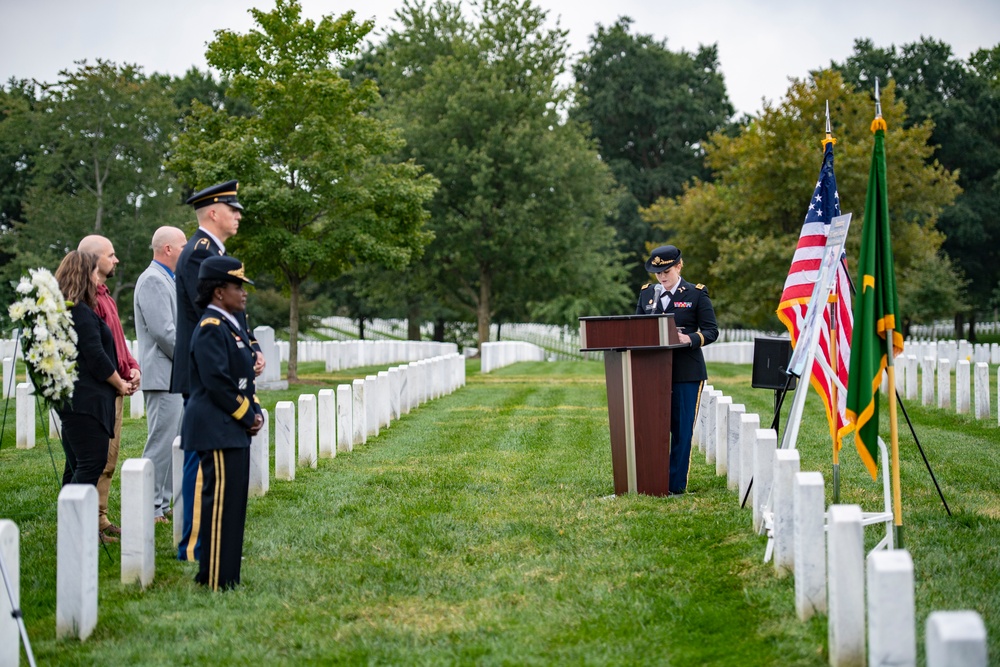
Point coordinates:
[(875, 310)]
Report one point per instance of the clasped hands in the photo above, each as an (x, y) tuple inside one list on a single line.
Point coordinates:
[(130, 386), (258, 423)]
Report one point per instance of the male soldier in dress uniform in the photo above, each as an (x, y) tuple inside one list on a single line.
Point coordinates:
[(221, 417), (219, 213), (696, 327)]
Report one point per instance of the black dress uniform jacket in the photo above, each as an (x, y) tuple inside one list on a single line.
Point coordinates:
[(198, 247), (223, 398), (694, 316)]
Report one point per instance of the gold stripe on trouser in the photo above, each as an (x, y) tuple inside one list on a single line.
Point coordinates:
[(196, 515), (697, 406), (220, 491)]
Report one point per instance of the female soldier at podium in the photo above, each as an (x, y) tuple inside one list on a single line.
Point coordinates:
[(695, 321)]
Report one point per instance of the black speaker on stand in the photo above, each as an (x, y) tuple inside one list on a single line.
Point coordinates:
[(770, 363)]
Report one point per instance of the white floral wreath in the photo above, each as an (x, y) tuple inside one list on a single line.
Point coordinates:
[(47, 335)]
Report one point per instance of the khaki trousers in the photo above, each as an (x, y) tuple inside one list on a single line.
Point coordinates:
[(104, 483)]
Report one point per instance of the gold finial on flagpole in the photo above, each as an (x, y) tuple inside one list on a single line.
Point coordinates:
[(879, 122), (829, 128)]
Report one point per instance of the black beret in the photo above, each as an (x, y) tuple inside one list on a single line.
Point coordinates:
[(663, 258), (223, 267), (223, 193)]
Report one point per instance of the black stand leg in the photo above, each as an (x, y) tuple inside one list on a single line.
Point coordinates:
[(899, 400)]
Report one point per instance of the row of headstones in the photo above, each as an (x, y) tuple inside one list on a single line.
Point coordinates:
[(342, 354), (27, 416), (826, 551), (729, 353), (334, 421), (908, 380), (504, 353), (953, 350)]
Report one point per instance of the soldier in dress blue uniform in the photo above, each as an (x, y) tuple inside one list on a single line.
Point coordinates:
[(221, 417), (696, 326), (219, 213)]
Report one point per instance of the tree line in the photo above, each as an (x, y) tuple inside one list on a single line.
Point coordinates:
[(463, 168)]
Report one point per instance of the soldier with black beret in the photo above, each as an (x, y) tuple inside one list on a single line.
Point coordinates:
[(220, 418), (696, 327), (219, 213)]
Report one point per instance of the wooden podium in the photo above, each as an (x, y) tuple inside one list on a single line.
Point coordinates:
[(638, 370)]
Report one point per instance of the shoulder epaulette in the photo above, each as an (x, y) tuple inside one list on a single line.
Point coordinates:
[(202, 242), (210, 320), (699, 286), (645, 286)]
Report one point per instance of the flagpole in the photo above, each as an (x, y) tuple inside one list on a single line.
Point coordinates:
[(834, 411), (890, 367)]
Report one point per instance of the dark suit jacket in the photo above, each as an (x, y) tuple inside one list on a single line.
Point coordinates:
[(198, 247), (96, 361), (694, 316), (223, 398)]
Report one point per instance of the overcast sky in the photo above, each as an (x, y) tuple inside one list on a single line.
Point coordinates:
[(761, 42)]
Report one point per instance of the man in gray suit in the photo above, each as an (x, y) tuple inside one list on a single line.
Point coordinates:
[(155, 303)]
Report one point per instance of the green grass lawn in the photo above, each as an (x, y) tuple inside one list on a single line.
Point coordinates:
[(479, 529)]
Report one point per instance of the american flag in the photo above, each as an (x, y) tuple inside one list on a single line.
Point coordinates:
[(823, 207)]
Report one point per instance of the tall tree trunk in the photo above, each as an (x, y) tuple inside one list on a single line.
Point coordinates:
[(361, 328), (413, 323), (972, 327), (439, 330), (483, 307), (293, 330), (959, 322)]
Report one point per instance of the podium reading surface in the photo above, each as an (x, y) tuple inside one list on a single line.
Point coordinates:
[(638, 370)]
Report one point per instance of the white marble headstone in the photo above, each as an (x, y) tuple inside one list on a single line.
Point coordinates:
[(809, 537), (395, 391), (892, 638), (8, 377), (359, 419), (138, 542), (260, 459), (982, 390), (177, 460), (373, 409), (10, 550), (345, 418), (136, 405), (944, 383), (766, 443), (76, 561), (846, 586), (284, 440), (326, 411), (307, 430), (25, 426), (955, 639), (962, 397), (735, 428), (786, 466), (748, 437)]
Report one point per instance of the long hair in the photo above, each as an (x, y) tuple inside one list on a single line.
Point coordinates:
[(75, 276)]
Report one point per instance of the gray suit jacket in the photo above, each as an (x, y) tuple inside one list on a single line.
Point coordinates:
[(155, 301)]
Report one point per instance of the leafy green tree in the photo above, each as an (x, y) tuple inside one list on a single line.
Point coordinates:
[(320, 189), (739, 233), (651, 110), (97, 138), (17, 155), (519, 219), (962, 99)]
